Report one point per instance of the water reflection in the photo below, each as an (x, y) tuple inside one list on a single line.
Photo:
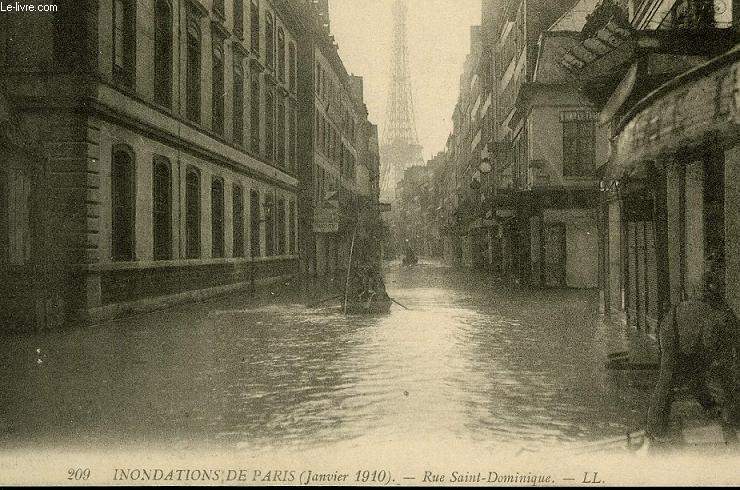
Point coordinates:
[(471, 361)]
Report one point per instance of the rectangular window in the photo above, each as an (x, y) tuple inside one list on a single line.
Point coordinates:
[(269, 127), (162, 208), (327, 128), (254, 22), (18, 234), (293, 148), (217, 217), (238, 221), (68, 38), (322, 133), (124, 42), (163, 53), (292, 75), (218, 7), (269, 225), (192, 214), (281, 226), (281, 54), (293, 246), (239, 18), (269, 41), (193, 75), (579, 148), (238, 109), (254, 124), (281, 134), (255, 221), (217, 80)]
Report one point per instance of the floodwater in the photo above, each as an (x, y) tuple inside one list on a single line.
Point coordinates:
[(471, 361)]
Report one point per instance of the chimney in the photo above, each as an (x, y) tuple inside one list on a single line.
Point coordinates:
[(357, 87)]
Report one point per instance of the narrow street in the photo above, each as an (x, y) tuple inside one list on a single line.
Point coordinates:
[(470, 360)]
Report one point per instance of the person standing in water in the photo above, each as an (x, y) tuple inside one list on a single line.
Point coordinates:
[(698, 342)]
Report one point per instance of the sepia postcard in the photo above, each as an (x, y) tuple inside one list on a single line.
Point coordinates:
[(370, 242)]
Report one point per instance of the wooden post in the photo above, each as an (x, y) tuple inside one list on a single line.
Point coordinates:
[(349, 265)]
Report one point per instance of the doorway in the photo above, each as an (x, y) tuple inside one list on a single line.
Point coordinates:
[(554, 248)]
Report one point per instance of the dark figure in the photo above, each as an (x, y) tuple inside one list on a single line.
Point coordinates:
[(698, 341), (409, 257)]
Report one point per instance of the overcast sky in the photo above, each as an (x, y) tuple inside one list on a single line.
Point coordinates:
[(439, 40)]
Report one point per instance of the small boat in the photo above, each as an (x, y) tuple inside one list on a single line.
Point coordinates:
[(377, 306), (410, 260)]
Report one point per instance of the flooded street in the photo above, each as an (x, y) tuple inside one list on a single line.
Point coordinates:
[(471, 361)]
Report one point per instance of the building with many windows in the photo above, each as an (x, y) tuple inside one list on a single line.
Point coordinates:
[(339, 169), (165, 138)]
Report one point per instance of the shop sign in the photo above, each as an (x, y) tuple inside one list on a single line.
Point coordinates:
[(326, 218), (609, 185)]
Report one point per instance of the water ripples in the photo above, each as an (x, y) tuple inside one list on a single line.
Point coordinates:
[(471, 360)]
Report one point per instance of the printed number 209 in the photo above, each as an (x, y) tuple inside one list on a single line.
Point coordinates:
[(78, 473)]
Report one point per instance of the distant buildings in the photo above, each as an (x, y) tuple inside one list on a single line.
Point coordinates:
[(155, 151)]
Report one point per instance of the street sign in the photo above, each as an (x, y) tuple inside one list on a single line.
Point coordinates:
[(326, 220)]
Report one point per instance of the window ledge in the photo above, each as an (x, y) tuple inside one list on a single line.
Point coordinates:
[(141, 265)]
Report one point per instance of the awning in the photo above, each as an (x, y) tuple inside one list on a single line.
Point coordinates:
[(699, 104)]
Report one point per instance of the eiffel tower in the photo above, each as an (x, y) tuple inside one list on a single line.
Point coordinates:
[(400, 147)]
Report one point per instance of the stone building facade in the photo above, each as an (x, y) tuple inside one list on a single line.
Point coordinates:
[(166, 138)]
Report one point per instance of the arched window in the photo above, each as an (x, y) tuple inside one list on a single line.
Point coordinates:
[(238, 108), (163, 53), (217, 85), (192, 213), (193, 75), (123, 204), (292, 73), (269, 40), (254, 225), (238, 220), (254, 123), (217, 217), (124, 42), (162, 208), (281, 54), (269, 126)]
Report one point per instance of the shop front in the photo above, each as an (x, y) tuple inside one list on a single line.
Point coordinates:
[(676, 157)]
